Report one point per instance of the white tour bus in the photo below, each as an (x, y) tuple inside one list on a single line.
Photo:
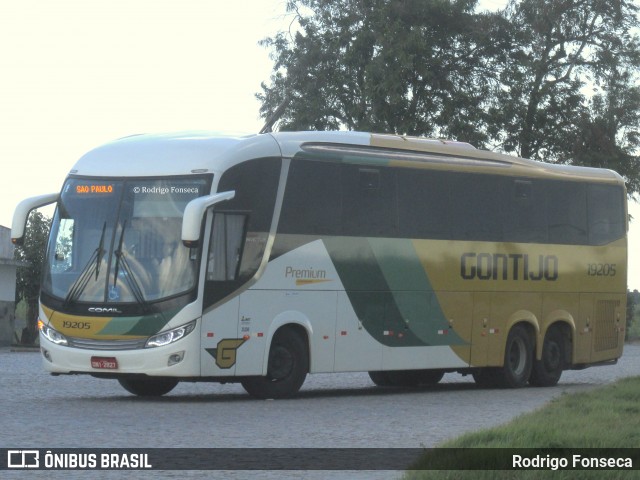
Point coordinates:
[(259, 259)]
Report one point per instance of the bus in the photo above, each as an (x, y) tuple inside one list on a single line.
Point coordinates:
[(260, 259)]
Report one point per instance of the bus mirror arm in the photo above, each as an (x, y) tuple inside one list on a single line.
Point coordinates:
[(194, 212), (21, 214)]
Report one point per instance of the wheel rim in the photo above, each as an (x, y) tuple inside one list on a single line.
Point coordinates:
[(281, 363), (518, 356)]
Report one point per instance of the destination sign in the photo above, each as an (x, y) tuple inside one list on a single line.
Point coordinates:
[(93, 188)]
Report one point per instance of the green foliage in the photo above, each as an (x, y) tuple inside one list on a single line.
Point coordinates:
[(561, 51), (405, 67), (552, 80), (33, 253)]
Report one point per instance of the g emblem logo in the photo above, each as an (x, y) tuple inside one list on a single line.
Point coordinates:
[(226, 352)]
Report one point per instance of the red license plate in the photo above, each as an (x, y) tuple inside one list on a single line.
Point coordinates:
[(106, 363)]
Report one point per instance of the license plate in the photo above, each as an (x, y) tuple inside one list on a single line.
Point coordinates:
[(105, 363)]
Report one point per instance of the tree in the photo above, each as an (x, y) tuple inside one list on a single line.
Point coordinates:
[(560, 50), (33, 253), (412, 67), (607, 133), (518, 80)]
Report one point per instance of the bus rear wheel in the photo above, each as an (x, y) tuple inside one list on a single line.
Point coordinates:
[(148, 386), (547, 371), (287, 368)]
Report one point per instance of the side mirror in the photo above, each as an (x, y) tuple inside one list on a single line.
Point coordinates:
[(194, 212), (22, 211)]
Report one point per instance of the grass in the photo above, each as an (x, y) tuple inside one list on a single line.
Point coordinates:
[(607, 417)]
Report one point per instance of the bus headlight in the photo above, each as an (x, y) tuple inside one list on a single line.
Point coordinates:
[(170, 336), (52, 335)]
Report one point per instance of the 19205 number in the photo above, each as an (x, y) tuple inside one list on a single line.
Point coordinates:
[(81, 325), (601, 269)]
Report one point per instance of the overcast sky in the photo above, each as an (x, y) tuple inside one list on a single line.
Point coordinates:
[(77, 73)]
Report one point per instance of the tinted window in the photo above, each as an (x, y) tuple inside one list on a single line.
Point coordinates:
[(606, 214), (349, 199), (524, 208), (369, 202), (423, 204), (476, 207), (243, 224), (312, 199), (256, 185), (567, 212)]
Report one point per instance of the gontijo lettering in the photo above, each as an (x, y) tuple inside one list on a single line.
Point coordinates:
[(512, 266)]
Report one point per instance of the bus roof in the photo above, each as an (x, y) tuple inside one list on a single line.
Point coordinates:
[(186, 153)]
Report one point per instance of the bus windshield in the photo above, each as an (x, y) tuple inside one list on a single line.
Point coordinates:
[(118, 241)]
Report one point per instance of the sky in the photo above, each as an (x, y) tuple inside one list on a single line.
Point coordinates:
[(75, 74)]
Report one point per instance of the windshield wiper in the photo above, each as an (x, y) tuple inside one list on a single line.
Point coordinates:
[(128, 273), (118, 254), (101, 251), (92, 265)]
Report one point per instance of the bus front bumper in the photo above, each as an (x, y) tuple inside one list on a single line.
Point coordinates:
[(178, 359)]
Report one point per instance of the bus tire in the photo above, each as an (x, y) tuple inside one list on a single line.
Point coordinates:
[(518, 359), (287, 368), (486, 377), (148, 386), (415, 378), (431, 377), (547, 371), (381, 379), (406, 378)]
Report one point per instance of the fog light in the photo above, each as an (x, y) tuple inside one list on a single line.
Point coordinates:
[(46, 354), (175, 358)]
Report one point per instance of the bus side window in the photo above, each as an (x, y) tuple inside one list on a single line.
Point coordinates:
[(567, 212), (369, 202), (476, 207), (225, 246), (312, 200), (606, 214), (525, 213), (63, 257), (423, 204)]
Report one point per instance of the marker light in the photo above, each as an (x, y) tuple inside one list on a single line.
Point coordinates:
[(52, 335), (170, 336)]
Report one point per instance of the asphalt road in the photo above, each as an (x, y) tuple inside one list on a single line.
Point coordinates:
[(340, 410)]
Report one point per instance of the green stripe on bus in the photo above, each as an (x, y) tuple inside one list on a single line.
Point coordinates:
[(390, 292), (412, 291)]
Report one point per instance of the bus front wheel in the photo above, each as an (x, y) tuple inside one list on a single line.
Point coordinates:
[(148, 386), (287, 368)]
